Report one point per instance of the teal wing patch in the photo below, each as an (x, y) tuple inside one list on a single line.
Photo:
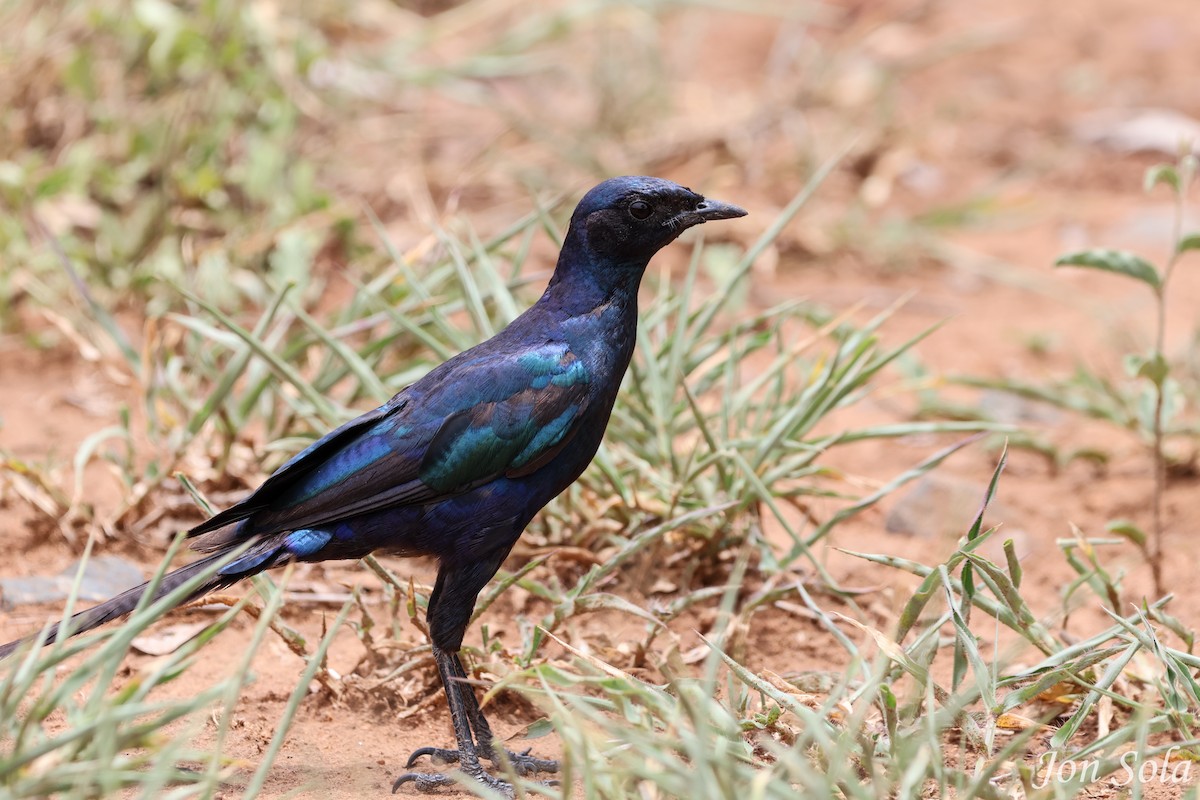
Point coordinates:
[(546, 394)]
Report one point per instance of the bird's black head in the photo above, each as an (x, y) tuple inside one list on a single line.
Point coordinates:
[(627, 220)]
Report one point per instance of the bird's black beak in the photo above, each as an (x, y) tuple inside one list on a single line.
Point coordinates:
[(705, 211), (715, 209)]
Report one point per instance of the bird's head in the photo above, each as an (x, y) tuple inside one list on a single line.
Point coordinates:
[(627, 220)]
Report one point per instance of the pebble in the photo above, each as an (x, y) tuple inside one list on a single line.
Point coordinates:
[(104, 577)]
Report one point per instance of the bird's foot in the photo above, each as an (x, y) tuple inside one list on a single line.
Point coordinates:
[(432, 781), (427, 782), (522, 763)]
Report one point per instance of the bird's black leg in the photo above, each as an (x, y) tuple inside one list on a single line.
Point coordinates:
[(450, 608), (466, 755), (522, 763)]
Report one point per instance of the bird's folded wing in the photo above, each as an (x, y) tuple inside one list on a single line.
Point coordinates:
[(486, 417)]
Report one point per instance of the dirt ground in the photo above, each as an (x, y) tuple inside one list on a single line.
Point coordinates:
[(989, 105)]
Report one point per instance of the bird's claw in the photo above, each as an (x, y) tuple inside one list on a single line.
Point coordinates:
[(522, 763), (440, 754), (428, 781), (431, 781)]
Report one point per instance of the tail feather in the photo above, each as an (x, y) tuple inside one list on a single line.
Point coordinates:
[(127, 601)]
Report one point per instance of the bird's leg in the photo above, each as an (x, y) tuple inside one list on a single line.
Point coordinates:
[(450, 608), (465, 755), (522, 763)]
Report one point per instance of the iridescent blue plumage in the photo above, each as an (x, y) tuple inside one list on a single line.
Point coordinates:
[(457, 464)]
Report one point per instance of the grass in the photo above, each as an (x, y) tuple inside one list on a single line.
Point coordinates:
[(179, 212), (83, 732), (887, 726)]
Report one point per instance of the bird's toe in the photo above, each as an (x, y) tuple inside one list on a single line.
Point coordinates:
[(429, 782), (521, 763), (423, 781), (438, 754), (525, 764)]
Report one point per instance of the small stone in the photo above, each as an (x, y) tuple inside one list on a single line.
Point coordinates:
[(167, 640), (29, 591), (1002, 406), (1151, 226), (1138, 130), (942, 507), (104, 577)]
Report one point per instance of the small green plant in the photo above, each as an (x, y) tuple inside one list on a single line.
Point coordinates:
[(1154, 401), (1153, 407)]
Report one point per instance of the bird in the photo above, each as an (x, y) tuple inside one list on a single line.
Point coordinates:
[(457, 464)]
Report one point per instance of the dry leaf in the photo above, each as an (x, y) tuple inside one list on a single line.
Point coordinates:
[(1016, 722), (167, 640)]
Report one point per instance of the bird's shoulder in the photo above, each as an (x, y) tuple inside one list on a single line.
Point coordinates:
[(492, 374), (507, 411)]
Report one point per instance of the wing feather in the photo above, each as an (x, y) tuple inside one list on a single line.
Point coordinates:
[(467, 423)]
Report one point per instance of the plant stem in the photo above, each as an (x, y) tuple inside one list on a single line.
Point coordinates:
[(1184, 180), (1160, 462)]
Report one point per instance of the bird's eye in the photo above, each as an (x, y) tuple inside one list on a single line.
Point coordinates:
[(640, 209)]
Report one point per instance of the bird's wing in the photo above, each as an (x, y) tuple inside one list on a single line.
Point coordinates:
[(478, 419), (295, 468)]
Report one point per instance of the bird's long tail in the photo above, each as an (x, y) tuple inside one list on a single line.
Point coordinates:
[(249, 563)]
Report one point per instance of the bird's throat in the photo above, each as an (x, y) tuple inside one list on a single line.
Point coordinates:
[(583, 282)]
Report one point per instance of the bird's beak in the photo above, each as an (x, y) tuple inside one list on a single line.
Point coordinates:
[(715, 209), (705, 211)]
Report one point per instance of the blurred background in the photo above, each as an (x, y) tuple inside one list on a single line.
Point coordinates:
[(222, 144)]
